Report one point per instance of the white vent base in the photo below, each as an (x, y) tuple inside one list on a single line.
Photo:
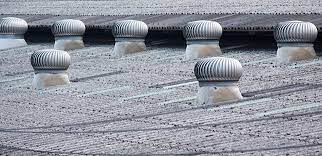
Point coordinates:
[(12, 43), (44, 80), (65, 44), (202, 50), (216, 94), (291, 54), (123, 48)]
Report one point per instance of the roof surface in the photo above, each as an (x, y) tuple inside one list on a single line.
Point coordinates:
[(230, 22), (128, 7), (233, 15), (145, 103)]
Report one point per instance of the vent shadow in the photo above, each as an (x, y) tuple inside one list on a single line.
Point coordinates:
[(19, 73), (96, 76), (275, 89), (172, 83)]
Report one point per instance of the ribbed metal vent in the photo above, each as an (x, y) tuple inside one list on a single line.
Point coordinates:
[(295, 31), (13, 26), (130, 29), (202, 30), (50, 59), (218, 69), (68, 27)]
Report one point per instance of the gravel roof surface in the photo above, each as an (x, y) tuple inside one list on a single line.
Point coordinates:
[(229, 22), (128, 7), (240, 15), (145, 103)]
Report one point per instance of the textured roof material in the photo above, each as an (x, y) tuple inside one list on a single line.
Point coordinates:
[(113, 106), (145, 103), (129, 7), (229, 22)]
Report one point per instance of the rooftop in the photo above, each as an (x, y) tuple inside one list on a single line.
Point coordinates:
[(126, 7), (145, 103), (233, 15)]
